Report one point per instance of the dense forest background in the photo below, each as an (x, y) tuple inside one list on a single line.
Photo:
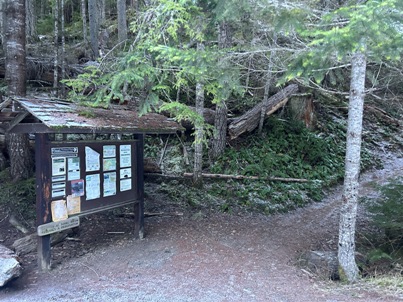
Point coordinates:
[(224, 66)]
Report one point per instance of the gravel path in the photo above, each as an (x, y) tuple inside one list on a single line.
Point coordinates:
[(199, 256)]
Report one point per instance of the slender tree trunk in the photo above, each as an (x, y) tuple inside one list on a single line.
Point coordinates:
[(3, 23), (346, 252), (199, 133), (56, 15), (30, 18), (3, 161), (84, 17), (101, 4), (94, 27), (17, 144), (267, 89), (63, 50), (122, 22)]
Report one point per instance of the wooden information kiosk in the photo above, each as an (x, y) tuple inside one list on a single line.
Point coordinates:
[(80, 177)]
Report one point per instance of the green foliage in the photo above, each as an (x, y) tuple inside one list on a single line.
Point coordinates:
[(288, 150), (45, 25), (373, 27), (388, 212), (162, 60), (18, 197)]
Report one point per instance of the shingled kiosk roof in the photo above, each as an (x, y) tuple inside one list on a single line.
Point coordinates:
[(50, 116)]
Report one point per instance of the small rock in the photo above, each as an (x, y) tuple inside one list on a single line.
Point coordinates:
[(322, 263), (10, 268)]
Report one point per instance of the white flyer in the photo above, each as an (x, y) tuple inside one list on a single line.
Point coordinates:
[(92, 162), (73, 168), (109, 184), (109, 151), (125, 156), (92, 186), (58, 166), (125, 184)]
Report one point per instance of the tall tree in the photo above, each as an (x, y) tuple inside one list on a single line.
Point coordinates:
[(355, 33), (84, 18), (348, 213), (56, 15), (199, 131), (94, 27), (122, 22), (2, 21), (30, 18), (17, 144)]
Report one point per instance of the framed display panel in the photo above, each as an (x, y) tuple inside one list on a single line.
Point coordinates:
[(98, 175)]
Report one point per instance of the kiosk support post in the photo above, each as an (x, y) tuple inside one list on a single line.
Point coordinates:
[(139, 205), (43, 197)]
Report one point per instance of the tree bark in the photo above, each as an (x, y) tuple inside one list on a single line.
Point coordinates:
[(84, 17), (219, 139), (3, 161), (250, 120), (30, 18), (122, 22), (56, 14), (17, 144), (63, 50), (199, 133), (15, 47), (3, 23), (267, 89), (94, 27), (348, 213)]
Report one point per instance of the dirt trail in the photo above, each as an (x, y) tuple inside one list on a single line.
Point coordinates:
[(199, 257)]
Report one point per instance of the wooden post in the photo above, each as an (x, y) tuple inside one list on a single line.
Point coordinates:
[(139, 206), (43, 196)]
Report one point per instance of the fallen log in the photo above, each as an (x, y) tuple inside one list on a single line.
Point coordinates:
[(208, 115), (227, 176), (250, 120), (28, 244)]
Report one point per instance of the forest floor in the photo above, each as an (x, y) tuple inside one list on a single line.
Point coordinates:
[(198, 254)]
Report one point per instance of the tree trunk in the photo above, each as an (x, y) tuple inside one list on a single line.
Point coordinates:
[(219, 139), (2, 22), (122, 23), (250, 120), (63, 50), (348, 213), (15, 47), (17, 144), (84, 17), (267, 89), (56, 14), (30, 18), (199, 133), (101, 4), (94, 27), (21, 163), (3, 161)]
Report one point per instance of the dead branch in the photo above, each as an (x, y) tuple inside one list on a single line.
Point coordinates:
[(241, 177)]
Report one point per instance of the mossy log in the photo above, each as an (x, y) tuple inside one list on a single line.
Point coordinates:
[(250, 120)]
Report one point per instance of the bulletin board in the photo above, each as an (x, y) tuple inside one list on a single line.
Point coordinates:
[(88, 177)]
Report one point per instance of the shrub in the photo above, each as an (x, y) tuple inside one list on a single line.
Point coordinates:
[(387, 212)]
